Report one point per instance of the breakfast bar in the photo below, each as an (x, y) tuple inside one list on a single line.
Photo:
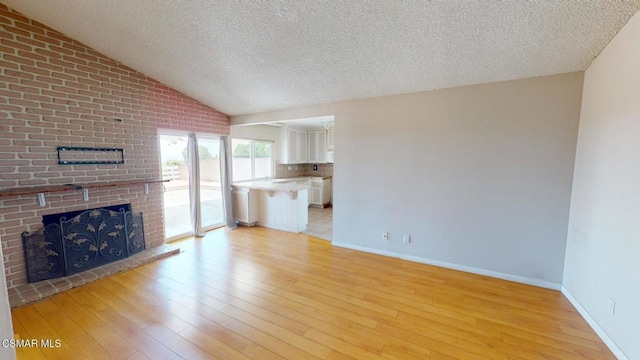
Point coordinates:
[(276, 204)]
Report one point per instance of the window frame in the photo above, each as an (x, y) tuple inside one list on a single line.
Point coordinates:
[(252, 156)]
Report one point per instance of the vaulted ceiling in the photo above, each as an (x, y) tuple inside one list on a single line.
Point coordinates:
[(251, 56)]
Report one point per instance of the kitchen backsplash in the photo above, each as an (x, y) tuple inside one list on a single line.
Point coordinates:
[(323, 170), (282, 170)]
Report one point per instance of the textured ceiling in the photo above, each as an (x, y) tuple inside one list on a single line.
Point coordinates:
[(251, 56)]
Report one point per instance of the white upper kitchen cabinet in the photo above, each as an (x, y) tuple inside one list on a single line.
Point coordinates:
[(290, 147), (330, 140), (302, 146), (293, 146), (317, 147)]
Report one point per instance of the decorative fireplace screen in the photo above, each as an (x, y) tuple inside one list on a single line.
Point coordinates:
[(77, 241)]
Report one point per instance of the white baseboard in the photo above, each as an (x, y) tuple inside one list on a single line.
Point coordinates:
[(594, 325), (469, 269)]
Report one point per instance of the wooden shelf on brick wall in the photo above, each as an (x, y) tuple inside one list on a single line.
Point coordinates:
[(28, 190)]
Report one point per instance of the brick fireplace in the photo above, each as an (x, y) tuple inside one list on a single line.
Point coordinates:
[(73, 242), (55, 91)]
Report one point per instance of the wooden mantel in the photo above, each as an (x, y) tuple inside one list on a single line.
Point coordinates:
[(27, 190)]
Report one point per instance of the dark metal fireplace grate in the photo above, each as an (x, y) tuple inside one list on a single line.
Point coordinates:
[(77, 241)]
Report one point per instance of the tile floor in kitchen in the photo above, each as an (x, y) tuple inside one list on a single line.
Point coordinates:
[(320, 223)]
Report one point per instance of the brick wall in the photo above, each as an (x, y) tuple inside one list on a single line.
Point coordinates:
[(55, 91)]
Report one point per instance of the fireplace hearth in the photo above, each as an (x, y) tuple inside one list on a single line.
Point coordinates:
[(73, 242)]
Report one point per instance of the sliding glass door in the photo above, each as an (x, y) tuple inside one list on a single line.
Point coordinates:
[(210, 189), (174, 155)]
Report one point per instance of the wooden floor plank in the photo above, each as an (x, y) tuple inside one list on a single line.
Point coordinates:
[(81, 342), (116, 345), (138, 356), (44, 330), (21, 332), (256, 293), (394, 352), (123, 325), (185, 348), (341, 346)]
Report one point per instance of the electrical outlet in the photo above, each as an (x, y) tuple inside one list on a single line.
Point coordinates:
[(611, 307), (385, 236), (406, 239)]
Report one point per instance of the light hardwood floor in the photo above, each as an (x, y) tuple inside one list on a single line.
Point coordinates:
[(256, 293)]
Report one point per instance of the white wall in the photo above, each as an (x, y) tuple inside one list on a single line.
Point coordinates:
[(287, 114), (480, 176), (603, 247), (6, 329), (258, 132), (255, 132)]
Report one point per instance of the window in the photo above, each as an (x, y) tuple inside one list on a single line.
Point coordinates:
[(252, 159)]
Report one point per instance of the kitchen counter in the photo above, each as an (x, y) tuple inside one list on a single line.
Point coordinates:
[(286, 185), (274, 204), (320, 191), (302, 178)]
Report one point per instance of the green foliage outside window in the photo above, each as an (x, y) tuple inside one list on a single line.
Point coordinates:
[(263, 150), (242, 151)]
